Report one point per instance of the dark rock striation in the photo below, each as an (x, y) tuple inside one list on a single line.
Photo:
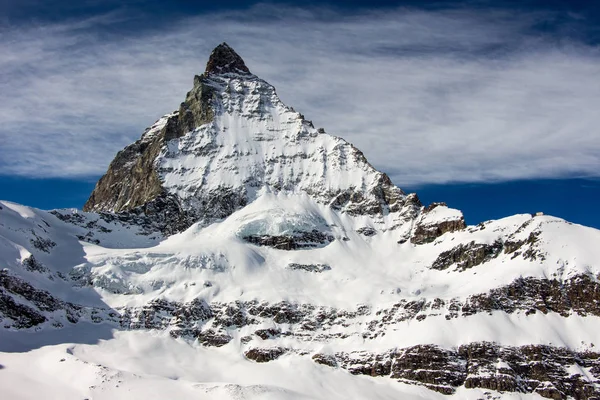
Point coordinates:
[(541, 369), (427, 231), (468, 255), (318, 268), (265, 355), (294, 241), (23, 306), (577, 295)]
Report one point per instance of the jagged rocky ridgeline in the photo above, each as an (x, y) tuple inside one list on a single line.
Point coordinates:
[(195, 165)]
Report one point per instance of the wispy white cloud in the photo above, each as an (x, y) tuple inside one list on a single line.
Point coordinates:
[(429, 96)]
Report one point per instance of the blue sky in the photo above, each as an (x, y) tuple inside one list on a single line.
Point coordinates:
[(490, 106)]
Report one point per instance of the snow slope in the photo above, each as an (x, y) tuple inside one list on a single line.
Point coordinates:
[(214, 264)]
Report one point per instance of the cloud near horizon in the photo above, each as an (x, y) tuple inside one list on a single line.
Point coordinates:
[(453, 95)]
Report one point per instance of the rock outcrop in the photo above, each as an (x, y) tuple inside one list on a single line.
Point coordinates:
[(224, 59), (297, 240), (545, 370), (264, 355), (468, 256)]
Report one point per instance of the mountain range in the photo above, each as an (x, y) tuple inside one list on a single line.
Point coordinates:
[(236, 251)]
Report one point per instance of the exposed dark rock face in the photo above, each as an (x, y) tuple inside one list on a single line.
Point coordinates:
[(325, 359), (306, 318), (43, 244), (525, 247), (103, 223), (297, 240), (367, 231), (208, 337), (309, 267), (211, 338), (579, 295), (197, 109), (268, 333), (22, 316), (436, 368), (132, 182), (14, 313), (467, 256), (184, 320), (527, 369), (384, 197), (164, 213), (265, 355), (33, 265), (161, 314), (470, 255), (427, 233), (362, 362), (42, 299), (224, 59), (433, 205)]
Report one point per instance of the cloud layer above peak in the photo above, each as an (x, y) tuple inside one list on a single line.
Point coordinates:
[(429, 96)]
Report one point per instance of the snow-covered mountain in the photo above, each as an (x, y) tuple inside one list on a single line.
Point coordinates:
[(237, 252)]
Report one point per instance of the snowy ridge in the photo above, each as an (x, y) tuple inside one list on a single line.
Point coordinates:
[(294, 270)]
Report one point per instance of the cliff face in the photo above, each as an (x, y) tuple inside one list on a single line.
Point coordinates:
[(132, 180)]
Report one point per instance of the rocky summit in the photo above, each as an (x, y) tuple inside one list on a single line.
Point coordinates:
[(235, 251)]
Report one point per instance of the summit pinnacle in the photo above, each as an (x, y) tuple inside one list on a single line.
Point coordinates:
[(224, 59)]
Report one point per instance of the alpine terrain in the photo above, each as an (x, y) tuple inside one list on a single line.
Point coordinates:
[(235, 251)]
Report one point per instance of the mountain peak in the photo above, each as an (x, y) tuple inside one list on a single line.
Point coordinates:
[(233, 141), (224, 59)]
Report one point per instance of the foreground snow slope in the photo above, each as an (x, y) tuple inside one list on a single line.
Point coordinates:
[(136, 365), (235, 251)]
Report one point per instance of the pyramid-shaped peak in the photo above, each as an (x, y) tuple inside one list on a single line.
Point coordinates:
[(224, 59)]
